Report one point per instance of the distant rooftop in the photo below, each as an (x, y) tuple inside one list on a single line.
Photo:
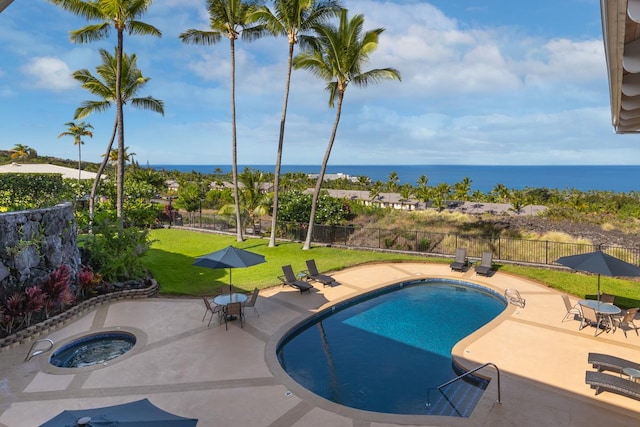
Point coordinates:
[(46, 168)]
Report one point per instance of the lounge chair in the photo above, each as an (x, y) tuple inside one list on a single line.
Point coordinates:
[(625, 321), (575, 310), (606, 362), (232, 311), (313, 274), (513, 296), (251, 301), (213, 309), (461, 262), (485, 268), (612, 383), (290, 279)]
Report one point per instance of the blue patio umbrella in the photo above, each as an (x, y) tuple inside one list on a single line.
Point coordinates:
[(229, 257), (139, 413), (599, 263)]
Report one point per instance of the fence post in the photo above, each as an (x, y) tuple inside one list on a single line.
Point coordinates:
[(546, 252), (379, 239)]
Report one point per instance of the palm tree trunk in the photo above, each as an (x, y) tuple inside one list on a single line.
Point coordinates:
[(103, 165), (276, 182), (120, 118), (323, 168), (79, 162), (234, 145)]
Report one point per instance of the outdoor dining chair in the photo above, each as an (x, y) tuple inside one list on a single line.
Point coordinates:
[(213, 309), (571, 310), (251, 301), (231, 311), (625, 321)]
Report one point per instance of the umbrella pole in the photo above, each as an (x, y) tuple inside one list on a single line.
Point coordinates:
[(231, 284), (598, 288)]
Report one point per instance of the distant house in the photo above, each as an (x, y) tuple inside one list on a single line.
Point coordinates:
[(46, 168)]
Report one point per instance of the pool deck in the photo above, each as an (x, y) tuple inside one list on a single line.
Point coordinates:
[(231, 378)]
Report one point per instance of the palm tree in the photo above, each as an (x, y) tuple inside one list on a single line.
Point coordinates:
[(337, 55), (104, 87), (121, 15), (231, 19), (22, 152), (289, 19), (77, 131)]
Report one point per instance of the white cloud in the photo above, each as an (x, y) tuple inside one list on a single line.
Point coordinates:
[(49, 73)]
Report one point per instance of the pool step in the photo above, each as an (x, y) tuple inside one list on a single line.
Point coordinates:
[(455, 400)]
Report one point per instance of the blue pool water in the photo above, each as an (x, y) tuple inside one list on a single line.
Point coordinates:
[(93, 349), (382, 352)]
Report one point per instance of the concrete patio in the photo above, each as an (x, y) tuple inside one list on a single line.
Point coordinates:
[(231, 378)]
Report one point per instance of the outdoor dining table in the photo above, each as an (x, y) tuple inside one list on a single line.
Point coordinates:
[(225, 299), (604, 309)]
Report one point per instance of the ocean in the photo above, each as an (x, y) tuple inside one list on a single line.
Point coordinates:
[(618, 179)]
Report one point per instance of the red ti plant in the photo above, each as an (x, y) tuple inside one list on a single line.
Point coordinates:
[(87, 280), (34, 302), (14, 311), (58, 289)]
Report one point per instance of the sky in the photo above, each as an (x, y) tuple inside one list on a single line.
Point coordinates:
[(484, 82)]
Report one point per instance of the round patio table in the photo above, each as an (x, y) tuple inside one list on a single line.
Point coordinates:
[(225, 299), (600, 307)]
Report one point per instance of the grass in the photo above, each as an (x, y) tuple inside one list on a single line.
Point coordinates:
[(173, 252)]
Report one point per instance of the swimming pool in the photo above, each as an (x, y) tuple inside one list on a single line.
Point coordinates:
[(382, 351)]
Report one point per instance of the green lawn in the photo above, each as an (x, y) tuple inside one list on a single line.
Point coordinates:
[(173, 251)]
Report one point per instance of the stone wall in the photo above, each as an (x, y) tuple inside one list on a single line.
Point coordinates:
[(35, 242)]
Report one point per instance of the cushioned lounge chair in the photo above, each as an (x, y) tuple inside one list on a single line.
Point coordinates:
[(313, 274), (513, 296), (485, 268), (461, 262), (571, 310), (612, 383), (606, 362), (290, 279)]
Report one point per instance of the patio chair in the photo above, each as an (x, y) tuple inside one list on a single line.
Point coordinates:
[(251, 301), (575, 310), (313, 274), (608, 298), (461, 262), (625, 321), (614, 384), (485, 268), (290, 279), (232, 311), (513, 296), (590, 317), (606, 362), (213, 309)]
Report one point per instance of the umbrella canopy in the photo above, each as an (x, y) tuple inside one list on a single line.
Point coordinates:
[(229, 257), (139, 413), (600, 263)]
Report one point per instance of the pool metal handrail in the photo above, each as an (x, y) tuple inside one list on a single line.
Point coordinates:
[(464, 375), (33, 353)]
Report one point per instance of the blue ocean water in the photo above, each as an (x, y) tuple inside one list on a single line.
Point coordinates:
[(483, 178)]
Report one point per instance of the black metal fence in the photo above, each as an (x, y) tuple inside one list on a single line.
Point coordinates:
[(443, 244)]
